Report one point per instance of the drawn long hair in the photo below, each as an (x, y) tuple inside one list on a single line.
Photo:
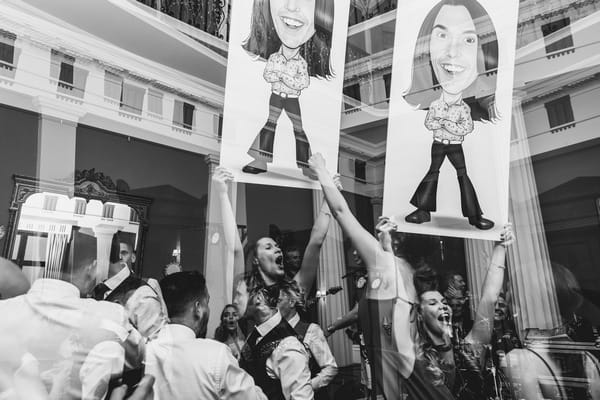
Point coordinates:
[(263, 40), (420, 93)]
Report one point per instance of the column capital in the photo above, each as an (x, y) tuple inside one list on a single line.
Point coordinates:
[(58, 109), (376, 201), (212, 160)]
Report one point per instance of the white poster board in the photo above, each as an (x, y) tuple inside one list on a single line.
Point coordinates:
[(264, 94), (452, 44)]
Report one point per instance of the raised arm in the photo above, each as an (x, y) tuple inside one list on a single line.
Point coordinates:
[(310, 262), (481, 333), (233, 244), (367, 246), (343, 322)]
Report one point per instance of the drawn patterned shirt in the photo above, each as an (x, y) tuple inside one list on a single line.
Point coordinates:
[(449, 121), (287, 76)]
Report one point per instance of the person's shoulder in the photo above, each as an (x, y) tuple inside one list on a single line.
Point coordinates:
[(290, 343)]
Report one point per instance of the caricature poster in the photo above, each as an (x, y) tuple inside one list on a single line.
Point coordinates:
[(283, 92), (447, 158)]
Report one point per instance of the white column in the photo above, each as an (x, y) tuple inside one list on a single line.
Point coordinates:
[(331, 269), (529, 266), (104, 235), (477, 255), (56, 139)]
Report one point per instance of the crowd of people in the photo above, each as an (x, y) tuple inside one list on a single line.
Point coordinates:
[(129, 337)]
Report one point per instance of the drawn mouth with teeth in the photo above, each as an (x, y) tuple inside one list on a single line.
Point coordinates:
[(452, 69), (292, 23)]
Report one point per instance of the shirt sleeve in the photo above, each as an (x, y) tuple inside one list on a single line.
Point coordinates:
[(270, 74), (145, 311), (463, 125), (322, 353), (104, 361), (431, 122), (300, 80), (234, 382), (289, 364)]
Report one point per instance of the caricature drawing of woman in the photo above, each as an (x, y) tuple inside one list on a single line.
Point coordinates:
[(449, 41), (294, 36)]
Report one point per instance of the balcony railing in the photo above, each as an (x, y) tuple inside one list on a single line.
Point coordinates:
[(210, 16)]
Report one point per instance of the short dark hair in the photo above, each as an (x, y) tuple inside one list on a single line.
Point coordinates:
[(269, 293), (181, 289), (263, 40), (115, 245), (476, 10), (83, 251)]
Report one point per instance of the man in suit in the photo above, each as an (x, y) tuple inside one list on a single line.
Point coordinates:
[(142, 301), (273, 355)]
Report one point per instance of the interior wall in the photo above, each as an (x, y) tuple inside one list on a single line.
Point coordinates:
[(18, 152), (177, 181)]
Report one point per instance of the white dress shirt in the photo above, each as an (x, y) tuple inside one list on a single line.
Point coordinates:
[(315, 340), (189, 368), (144, 306), (50, 332), (288, 363)]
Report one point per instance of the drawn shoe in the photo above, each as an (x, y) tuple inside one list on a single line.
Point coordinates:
[(481, 223), (418, 217), (255, 167)]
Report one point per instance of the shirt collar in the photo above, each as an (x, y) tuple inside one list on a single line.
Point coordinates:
[(176, 332), (114, 281), (54, 288), (269, 324), (296, 56), (294, 320)]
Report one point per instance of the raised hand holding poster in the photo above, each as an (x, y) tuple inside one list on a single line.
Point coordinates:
[(447, 155), (284, 88)]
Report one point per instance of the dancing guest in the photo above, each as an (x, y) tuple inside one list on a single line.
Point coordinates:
[(143, 302), (184, 363), (55, 343), (383, 293), (424, 362), (273, 355), (267, 258), (321, 362), (229, 331)]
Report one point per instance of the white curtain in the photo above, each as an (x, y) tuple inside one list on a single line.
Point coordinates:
[(55, 254)]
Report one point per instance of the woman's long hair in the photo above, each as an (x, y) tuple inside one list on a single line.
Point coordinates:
[(263, 40), (426, 280), (221, 333), (422, 56)]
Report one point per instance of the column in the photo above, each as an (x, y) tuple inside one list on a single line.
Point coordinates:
[(377, 203), (56, 139), (477, 254), (529, 268), (104, 234), (331, 269), (219, 277), (534, 303)]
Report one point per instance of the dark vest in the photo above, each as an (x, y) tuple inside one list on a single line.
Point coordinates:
[(254, 359), (301, 328), (123, 292)]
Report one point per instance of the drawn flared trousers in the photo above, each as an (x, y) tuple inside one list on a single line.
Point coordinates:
[(424, 197), (262, 147)]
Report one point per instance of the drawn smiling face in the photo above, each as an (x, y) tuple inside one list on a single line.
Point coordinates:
[(453, 49), (294, 21)]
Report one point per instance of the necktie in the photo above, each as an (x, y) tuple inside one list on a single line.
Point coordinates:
[(100, 290), (253, 337)]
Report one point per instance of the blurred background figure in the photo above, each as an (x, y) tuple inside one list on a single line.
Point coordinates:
[(229, 331)]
